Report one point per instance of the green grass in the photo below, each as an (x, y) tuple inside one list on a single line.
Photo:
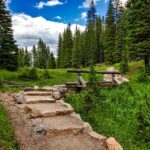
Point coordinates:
[(122, 112), (57, 76), (7, 140)]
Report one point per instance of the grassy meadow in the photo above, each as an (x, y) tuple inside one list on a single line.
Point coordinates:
[(122, 112)]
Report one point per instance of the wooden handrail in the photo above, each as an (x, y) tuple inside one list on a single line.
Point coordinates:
[(97, 72)]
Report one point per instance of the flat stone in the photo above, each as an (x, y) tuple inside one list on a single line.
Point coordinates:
[(47, 109), (59, 125), (38, 93), (38, 99)]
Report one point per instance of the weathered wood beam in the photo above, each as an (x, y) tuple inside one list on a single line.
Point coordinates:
[(97, 72)]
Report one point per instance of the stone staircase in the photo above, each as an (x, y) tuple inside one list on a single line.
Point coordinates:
[(51, 117)]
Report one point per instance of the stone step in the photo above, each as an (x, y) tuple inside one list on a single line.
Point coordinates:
[(48, 109), (38, 99), (38, 93), (74, 142), (58, 125)]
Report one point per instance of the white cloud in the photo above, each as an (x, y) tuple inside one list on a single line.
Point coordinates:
[(42, 4), (123, 1), (58, 17), (86, 3), (28, 30), (84, 15)]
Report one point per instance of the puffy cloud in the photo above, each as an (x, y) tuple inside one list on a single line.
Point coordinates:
[(86, 3), (28, 30), (123, 1), (84, 15), (58, 17), (42, 4)]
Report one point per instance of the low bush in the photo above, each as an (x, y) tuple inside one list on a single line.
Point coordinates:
[(29, 74)]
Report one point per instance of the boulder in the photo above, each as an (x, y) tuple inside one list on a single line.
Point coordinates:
[(112, 144), (20, 98), (57, 95)]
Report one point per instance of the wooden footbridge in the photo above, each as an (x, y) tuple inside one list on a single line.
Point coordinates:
[(109, 79)]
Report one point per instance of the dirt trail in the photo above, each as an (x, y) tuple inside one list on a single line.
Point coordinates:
[(43, 121), (30, 139)]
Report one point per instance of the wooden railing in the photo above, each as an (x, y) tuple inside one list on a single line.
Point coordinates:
[(81, 83)]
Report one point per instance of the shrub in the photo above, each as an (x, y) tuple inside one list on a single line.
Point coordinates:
[(29, 74), (141, 77)]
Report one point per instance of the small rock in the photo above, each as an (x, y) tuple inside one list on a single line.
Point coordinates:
[(20, 98), (112, 144), (57, 95)]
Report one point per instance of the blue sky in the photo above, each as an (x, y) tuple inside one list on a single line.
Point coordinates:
[(61, 10), (46, 19)]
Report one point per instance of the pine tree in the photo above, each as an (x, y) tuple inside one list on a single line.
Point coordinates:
[(121, 42), (21, 55), (51, 63), (67, 45), (110, 34), (59, 51), (27, 58), (138, 28), (118, 9), (43, 53), (99, 52), (90, 36), (8, 49), (34, 55), (76, 52)]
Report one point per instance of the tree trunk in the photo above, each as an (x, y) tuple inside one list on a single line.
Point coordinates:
[(147, 64)]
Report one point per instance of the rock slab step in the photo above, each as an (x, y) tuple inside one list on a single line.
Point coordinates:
[(48, 109), (59, 125), (38, 99)]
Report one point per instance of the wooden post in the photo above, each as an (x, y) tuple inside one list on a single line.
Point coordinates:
[(113, 79)]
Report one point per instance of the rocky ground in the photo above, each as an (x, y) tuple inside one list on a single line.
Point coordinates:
[(43, 121)]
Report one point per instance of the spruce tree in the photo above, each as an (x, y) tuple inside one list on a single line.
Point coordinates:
[(8, 48), (110, 34), (90, 36), (21, 55), (118, 10), (76, 52), (34, 57), (122, 53), (67, 45), (51, 63), (138, 28), (99, 52), (43, 53), (59, 49), (27, 58)]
